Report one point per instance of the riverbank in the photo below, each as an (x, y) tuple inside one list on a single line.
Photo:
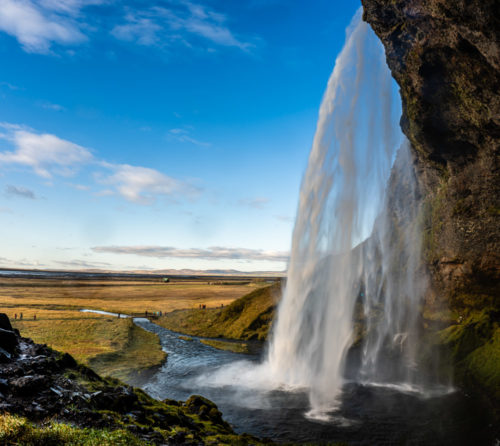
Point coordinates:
[(48, 398), (247, 318)]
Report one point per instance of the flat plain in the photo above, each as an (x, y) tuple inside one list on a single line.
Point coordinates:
[(51, 314)]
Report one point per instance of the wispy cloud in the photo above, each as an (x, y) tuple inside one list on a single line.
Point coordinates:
[(182, 135), (213, 253), (82, 264), (284, 218), (51, 106), (46, 154), (20, 192), (41, 25), (143, 185), (184, 22), (37, 25), (140, 29), (49, 155), (255, 203), (9, 86)]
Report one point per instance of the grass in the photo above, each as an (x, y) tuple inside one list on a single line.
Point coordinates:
[(15, 430), (186, 338), (248, 317), (112, 346), (235, 347), (127, 297), (140, 353)]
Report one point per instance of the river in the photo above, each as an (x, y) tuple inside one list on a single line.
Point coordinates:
[(367, 415)]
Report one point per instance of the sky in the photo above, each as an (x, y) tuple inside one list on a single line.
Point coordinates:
[(158, 134)]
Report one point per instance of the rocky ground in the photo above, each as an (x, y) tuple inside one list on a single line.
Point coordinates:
[(41, 384)]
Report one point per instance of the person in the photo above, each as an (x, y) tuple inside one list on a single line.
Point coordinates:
[(34, 317), (118, 315), (21, 316), (15, 316)]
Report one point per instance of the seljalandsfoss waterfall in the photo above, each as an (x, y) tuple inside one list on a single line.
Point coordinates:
[(354, 277)]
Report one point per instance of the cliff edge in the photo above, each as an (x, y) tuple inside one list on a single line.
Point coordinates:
[(444, 54)]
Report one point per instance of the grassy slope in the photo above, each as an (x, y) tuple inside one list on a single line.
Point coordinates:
[(17, 430), (249, 317), (112, 346)]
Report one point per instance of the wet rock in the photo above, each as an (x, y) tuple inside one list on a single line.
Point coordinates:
[(29, 385), (8, 340), (4, 385), (178, 438), (66, 361), (5, 322), (5, 356), (119, 399), (204, 408)]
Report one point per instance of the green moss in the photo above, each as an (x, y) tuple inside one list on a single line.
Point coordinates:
[(473, 346), (19, 431), (484, 364)]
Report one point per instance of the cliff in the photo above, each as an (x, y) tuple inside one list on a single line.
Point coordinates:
[(444, 54)]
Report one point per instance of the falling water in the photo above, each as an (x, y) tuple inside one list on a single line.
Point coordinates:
[(346, 259)]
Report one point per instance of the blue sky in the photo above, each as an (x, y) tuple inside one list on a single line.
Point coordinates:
[(158, 134)]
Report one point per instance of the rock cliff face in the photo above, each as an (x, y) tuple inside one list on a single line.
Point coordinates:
[(444, 54), (445, 57)]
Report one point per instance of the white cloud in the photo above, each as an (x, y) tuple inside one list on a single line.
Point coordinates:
[(40, 25), (46, 154), (82, 264), (20, 192), (182, 135), (49, 155), (213, 253), (37, 25), (256, 203), (51, 106), (184, 22), (143, 185), (142, 30)]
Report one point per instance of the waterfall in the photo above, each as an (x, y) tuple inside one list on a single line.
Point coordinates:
[(346, 259)]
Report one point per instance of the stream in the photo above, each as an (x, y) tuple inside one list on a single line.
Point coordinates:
[(367, 415)]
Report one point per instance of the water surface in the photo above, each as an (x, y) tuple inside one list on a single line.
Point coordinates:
[(367, 415)]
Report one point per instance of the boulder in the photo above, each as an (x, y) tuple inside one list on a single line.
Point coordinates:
[(29, 385), (5, 322), (8, 340)]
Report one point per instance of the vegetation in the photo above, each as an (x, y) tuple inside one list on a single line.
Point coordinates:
[(140, 353), (112, 346), (248, 317), (15, 430), (126, 297), (474, 347), (235, 347)]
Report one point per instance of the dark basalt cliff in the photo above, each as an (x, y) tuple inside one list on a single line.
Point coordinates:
[(444, 54)]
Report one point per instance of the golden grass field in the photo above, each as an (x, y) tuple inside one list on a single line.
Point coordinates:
[(108, 344)]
